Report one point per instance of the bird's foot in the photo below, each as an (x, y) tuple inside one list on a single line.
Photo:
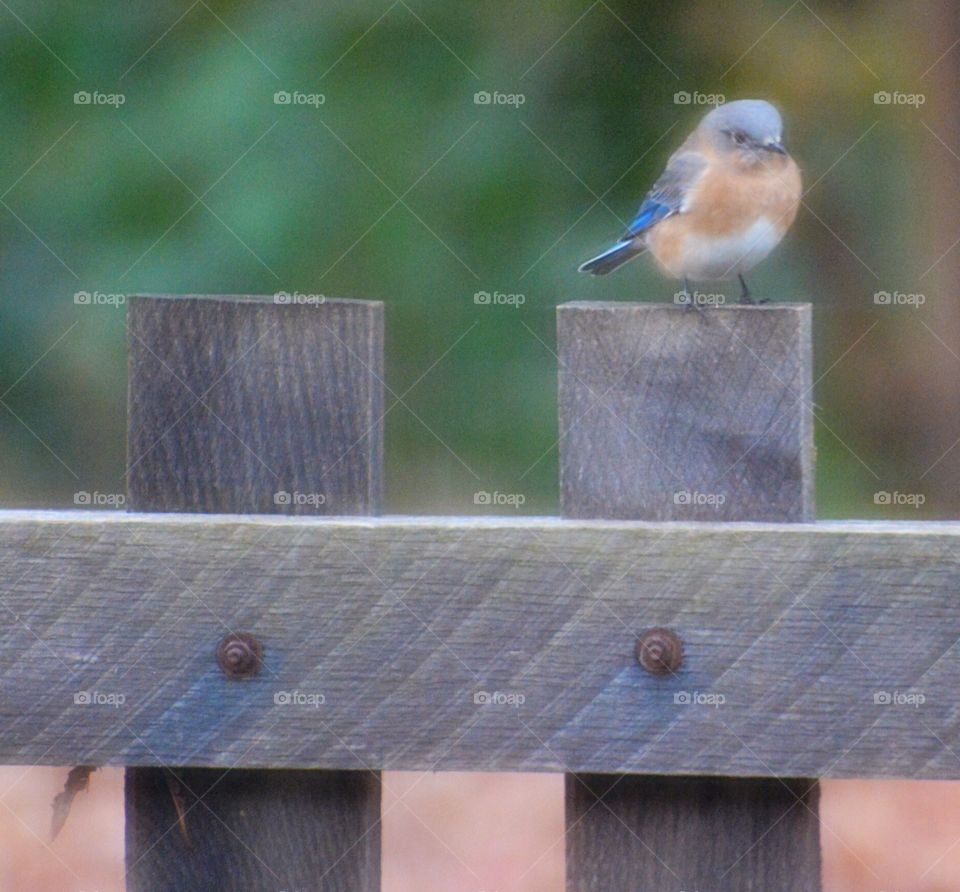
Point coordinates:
[(746, 297), (687, 298)]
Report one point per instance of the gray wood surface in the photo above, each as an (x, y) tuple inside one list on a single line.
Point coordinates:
[(251, 830), (666, 414), (236, 402), (670, 414), (249, 405), (696, 833), (400, 622)]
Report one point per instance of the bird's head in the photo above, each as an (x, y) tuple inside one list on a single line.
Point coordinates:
[(749, 129)]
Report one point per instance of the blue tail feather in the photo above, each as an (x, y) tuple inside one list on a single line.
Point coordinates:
[(613, 258)]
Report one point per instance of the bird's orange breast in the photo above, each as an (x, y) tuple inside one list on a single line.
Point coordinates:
[(730, 198), (727, 201)]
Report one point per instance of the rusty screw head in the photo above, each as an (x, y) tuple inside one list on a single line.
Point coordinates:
[(240, 655), (660, 651)]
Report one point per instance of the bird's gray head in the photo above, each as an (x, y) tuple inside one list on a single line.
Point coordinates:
[(751, 127)]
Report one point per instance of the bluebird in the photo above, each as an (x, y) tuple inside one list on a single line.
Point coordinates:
[(726, 199)]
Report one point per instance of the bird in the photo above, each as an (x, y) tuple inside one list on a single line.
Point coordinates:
[(727, 197)]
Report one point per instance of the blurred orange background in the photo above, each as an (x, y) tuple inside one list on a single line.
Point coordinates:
[(488, 833)]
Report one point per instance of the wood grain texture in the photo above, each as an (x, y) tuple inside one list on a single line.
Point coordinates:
[(691, 833), (287, 823), (666, 414), (247, 404), (398, 623), (235, 403), (670, 414)]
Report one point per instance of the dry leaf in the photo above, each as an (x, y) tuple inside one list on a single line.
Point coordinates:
[(180, 804), (77, 781)]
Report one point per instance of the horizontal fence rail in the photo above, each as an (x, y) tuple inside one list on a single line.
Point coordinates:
[(488, 644)]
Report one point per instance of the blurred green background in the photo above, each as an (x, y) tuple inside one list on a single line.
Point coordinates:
[(400, 187)]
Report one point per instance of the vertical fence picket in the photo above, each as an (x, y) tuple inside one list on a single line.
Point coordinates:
[(244, 405), (669, 414)]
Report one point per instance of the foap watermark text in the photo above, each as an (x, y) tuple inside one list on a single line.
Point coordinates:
[(498, 299), (685, 97), (99, 698), (895, 97), (496, 499), (299, 698), (908, 499), (499, 698), (99, 499), (710, 499), (86, 97), (285, 97), (899, 698), (698, 698), (98, 299), (899, 299), (313, 499), (484, 97)]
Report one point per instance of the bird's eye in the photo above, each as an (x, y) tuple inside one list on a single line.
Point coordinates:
[(739, 138)]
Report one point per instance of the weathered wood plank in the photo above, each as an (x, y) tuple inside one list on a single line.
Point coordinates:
[(233, 817), (245, 404), (399, 622), (691, 833), (667, 414), (238, 403)]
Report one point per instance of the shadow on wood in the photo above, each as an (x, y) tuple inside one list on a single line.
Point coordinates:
[(672, 833), (294, 819)]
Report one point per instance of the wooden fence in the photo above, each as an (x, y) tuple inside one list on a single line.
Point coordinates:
[(685, 644)]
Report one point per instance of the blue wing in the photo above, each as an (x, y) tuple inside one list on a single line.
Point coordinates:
[(666, 198), (668, 194)]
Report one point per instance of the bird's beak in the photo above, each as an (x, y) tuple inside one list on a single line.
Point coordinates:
[(774, 146)]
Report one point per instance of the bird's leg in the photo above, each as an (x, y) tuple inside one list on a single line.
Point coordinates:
[(688, 303), (745, 296)]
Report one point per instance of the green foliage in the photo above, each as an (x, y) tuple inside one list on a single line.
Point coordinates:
[(398, 187)]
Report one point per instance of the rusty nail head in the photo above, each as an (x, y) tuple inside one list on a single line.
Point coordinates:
[(240, 655), (660, 651)]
